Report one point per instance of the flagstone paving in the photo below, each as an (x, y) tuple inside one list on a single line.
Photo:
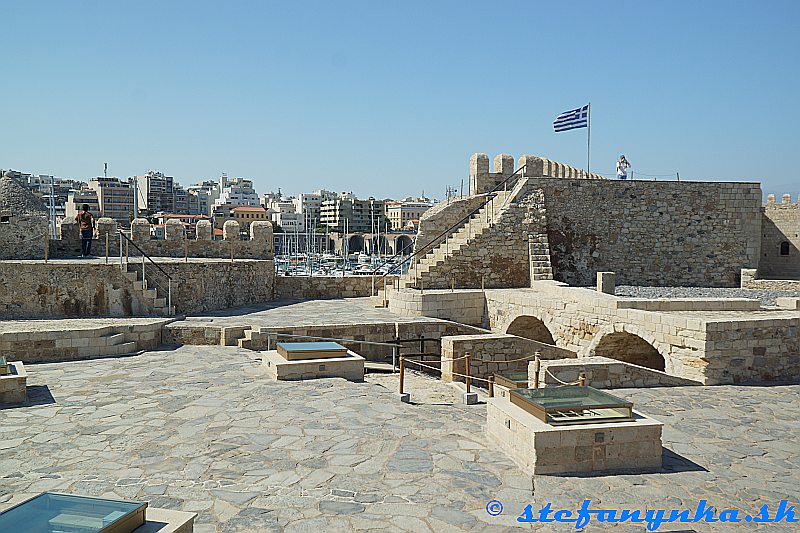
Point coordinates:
[(202, 429)]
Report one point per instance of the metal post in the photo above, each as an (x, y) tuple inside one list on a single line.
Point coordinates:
[(483, 282), (46, 248), (169, 296), (385, 298), (144, 283), (582, 379), (394, 357), (120, 252), (466, 364), (402, 374), (491, 386), (452, 284), (106, 247), (537, 364)]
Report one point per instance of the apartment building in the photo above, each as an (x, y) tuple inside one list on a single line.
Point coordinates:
[(401, 213), (347, 213), (114, 198)]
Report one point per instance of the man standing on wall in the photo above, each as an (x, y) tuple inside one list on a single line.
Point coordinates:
[(622, 168), (86, 222)]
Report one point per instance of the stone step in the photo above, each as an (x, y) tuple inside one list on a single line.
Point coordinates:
[(133, 276), (159, 302), (114, 339), (150, 293)]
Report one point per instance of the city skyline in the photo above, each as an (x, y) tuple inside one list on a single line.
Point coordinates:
[(341, 99)]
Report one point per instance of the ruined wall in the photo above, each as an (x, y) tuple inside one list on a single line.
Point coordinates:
[(22, 236), (38, 290), (750, 280), (652, 233), (325, 287), (780, 224)]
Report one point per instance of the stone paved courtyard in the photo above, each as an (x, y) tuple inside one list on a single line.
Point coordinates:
[(202, 429), (305, 312)]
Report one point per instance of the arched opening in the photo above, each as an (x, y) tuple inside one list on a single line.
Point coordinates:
[(379, 245), (785, 248), (532, 328), (355, 244), (404, 245), (630, 348)]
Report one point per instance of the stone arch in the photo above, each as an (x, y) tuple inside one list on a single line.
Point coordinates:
[(355, 243), (630, 345), (404, 244), (530, 327), (378, 244)]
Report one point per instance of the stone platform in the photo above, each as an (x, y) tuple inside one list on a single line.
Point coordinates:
[(350, 367), (540, 448), (13, 386)]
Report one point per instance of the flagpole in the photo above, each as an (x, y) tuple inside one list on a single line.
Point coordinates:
[(588, 138)]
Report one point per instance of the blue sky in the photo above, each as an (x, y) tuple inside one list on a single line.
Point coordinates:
[(391, 98)]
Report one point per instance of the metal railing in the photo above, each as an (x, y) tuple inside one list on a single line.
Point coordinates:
[(438, 240), (145, 257)]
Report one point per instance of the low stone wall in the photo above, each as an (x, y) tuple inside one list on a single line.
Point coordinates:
[(44, 346), (748, 351), (466, 307), (325, 287), (603, 373), (370, 332), (749, 281), (492, 353), (71, 247)]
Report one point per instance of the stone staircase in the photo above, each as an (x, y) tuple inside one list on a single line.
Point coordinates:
[(156, 294), (541, 268), (503, 245), (478, 224)]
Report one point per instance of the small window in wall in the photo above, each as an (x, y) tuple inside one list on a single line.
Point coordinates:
[(785, 248)]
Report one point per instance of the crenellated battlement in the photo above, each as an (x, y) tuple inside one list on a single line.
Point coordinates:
[(785, 203), (483, 180)]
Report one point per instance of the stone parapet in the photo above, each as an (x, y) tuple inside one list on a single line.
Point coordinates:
[(603, 373), (492, 353)]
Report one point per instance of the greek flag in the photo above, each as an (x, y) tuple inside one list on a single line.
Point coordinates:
[(572, 119)]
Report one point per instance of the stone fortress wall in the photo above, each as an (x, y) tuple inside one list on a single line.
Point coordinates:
[(174, 244), (780, 244), (650, 233)]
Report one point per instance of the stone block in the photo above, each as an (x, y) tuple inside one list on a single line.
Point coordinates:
[(540, 448), (13, 386), (350, 367)]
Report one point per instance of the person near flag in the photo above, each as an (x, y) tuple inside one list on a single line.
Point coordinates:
[(622, 168)]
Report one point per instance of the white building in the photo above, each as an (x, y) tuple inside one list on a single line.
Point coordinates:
[(236, 192), (400, 214), (289, 221), (310, 205)]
